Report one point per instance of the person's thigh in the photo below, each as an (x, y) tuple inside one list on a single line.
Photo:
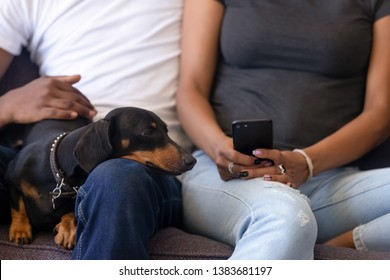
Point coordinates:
[(261, 219), (344, 198), (120, 206)]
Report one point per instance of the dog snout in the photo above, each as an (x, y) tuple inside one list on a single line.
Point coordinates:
[(189, 161)]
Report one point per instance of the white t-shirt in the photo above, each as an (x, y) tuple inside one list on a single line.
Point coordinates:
[(126, 51)]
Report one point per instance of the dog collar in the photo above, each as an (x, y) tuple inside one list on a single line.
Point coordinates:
[(62, 189)]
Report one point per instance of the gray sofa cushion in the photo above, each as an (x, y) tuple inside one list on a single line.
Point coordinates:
[(166, 244)]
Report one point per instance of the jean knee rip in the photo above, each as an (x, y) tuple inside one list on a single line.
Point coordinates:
[(285, 187), (303, 218)]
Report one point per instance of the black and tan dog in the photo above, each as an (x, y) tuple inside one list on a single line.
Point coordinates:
[(44, 177)]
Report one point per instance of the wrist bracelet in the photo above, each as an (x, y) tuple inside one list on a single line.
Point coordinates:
[(308, 162)]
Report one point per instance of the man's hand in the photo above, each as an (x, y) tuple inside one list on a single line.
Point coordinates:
[(45, 98)]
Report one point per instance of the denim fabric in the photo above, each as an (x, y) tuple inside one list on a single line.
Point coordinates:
[(263, 220), (348, 199), (268, 220), (120, 206), (6, 155), (374, 235)]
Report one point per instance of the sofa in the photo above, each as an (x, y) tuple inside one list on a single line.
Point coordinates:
[(168, 243)]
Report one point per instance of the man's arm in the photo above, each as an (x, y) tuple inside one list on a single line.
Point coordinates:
[(5, 61), (43, 98)]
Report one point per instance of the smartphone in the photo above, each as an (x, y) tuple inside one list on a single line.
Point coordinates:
[(249, 135)]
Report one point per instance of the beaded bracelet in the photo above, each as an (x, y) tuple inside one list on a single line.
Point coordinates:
[(308, 162)]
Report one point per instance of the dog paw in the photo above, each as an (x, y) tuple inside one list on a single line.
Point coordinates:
[(20, 233), (66, 232)]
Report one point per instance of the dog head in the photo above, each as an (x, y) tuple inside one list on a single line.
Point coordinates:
[(136, 134)]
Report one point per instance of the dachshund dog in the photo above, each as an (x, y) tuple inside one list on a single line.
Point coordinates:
[(58, 155)]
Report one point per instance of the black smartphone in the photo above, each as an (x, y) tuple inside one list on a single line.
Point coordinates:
[(249, 135)]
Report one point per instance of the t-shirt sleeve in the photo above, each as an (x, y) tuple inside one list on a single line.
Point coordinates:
[(14, 28), (382, 8)]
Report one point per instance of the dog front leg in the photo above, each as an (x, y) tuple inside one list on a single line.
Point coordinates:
[(20, 231), (66, 231)]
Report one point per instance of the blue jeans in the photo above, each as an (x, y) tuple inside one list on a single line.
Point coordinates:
[(6, 155), (120, 206), (268, 220), (346, 199)]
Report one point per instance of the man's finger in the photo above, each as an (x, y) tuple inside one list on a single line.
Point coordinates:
[(72, 79)]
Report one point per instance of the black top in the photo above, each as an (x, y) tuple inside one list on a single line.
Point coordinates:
[(301, 63)]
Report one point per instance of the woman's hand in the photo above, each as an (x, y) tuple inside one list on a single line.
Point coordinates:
[(285, 167), (232, 164), (289, 167), (45, 98)]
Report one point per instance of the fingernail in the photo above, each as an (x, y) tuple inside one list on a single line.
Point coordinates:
[(256, 152), (257, 161), (268, 164), (243, 174), (92, 113), (267, 178)]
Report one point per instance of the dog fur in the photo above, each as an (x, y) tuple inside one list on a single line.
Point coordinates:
[(128, 132)]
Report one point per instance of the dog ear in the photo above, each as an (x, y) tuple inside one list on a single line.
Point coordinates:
[(94, 146)]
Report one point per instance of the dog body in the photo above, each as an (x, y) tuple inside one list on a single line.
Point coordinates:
[(44, 177)]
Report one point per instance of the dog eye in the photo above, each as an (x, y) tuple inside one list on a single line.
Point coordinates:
[(147, 132)]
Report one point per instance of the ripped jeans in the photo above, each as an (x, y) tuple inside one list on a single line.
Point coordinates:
[(269, 220)]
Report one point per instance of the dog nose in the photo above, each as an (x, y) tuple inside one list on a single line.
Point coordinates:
[(189, 161)]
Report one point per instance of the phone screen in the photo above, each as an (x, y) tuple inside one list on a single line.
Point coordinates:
[(249, 135)]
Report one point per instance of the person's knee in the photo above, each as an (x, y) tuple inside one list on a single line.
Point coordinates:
[(291, 215), (300, 224), (297, 218), (120, 179)]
